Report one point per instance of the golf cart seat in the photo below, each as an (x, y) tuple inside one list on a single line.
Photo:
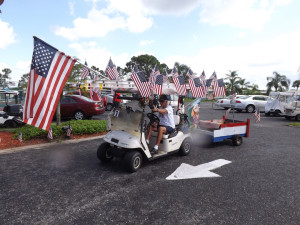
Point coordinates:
[(174, 133)]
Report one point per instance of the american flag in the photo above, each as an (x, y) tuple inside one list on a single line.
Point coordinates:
[(233, 97), (165, 76), (154, 73), (20, 137), (69, 130), (50, 136), (97, 90), (218, 85), (156, 80), (49, 72), (203, 78), (196, 85), (179, 82), (227, 112), (257, 115), (85, 71), (140, 82), (112, 71)]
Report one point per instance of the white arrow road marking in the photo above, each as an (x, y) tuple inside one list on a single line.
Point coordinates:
[(186, 171)]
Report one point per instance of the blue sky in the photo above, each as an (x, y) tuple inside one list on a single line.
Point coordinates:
[(255, 37)]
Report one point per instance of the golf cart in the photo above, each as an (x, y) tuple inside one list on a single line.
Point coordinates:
[(129, 124), (11, 116)]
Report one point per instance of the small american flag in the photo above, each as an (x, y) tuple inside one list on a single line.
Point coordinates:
[(196, 85), (156, 80), (227, 112), (112, 71), (154, 73), (165, 76), (85, 71), (140, 82), (49, 72), (20, 137), (257, 115), (233, 97), (69, 130), (203, 78), (218, 85), (97, 90), (79, 92), (179, 82), (50, 136)]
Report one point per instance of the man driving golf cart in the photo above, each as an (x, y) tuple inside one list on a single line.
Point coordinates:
[(166, 124)]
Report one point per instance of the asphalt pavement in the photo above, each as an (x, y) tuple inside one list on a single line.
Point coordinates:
[(66, 184)]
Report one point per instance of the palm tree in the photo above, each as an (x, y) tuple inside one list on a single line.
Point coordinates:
[(279, 82), (253, 90), (296, 84), (244, 84), (233, 84)]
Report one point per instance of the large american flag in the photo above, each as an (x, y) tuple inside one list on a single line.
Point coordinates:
[(196, 85), (85, 71), (219, 88), (165, 76), (140, 82), (112, 71), (49, 72), (179, 82), (203, 78)]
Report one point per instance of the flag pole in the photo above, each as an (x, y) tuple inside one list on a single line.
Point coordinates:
[(92, 70)]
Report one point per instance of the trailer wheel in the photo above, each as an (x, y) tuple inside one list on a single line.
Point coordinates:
[(237, 140), (133, 161), (104, 153), (185, 147)]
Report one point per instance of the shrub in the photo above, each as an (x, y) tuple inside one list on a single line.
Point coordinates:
[(78, 127)]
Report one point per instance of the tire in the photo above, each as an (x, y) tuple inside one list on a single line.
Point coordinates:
[(239, 110), (237, 140), (185, 147), (250, 108), (133, 161), (10, 124), (297, 117), (268, 114), (226, 108), (104, 152), (288, 117), (109, 107), (79, 115), (277, 113)]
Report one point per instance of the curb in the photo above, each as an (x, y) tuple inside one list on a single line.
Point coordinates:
[(38, 146)]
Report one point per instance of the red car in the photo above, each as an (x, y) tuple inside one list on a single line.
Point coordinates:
[(74, 106)]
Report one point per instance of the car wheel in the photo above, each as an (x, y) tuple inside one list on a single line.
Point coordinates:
[(185, 147), (10, 124), (237, 140), (250, 108), (109, 107), (104, 152), (133, 161), (297, 117), (79, 115), (268, 114)]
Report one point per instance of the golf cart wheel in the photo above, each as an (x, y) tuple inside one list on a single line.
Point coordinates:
[(79, 115), (10, 124), (133, 161), (250, 108), (297, 117), (109, 107), (104, 153), (185, 147), (237, 140)]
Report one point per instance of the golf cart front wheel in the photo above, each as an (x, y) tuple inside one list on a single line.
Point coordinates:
[(237, 140), (133, 161), (104, 152), (185, 147)]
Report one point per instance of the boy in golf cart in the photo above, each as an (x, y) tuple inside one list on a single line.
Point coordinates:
[(166, 124)]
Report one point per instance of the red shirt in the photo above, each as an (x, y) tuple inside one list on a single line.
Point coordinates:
[(116, 97)]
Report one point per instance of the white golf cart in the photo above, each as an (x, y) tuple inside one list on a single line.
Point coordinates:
[(126, 139)]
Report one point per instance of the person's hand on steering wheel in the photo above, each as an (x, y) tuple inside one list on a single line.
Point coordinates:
[(153, 118)]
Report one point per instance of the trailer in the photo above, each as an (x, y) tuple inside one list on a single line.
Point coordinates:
[(221, 129)]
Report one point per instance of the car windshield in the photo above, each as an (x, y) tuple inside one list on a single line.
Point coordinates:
[(245, 97)]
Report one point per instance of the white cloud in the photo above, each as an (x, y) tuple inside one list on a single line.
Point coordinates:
[(7, 36), (146, 42), (250, 14), (241, 34), (254, 62), (72, 9)]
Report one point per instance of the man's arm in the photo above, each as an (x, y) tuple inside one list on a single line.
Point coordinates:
[(162, 111)]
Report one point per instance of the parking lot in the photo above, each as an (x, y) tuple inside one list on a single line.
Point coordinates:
[(66, 183)]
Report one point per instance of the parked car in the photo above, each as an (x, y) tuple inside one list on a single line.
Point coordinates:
[(225, 102), (250, 103), (80, 107)]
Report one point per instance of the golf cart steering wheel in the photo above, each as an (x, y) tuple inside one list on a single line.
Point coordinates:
[(153, 118)]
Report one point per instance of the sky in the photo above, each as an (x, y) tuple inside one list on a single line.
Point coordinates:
[(253, 37)]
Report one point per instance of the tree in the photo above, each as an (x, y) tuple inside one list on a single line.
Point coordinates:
[(4, 77), (244, 84), (296, 84), (234, 82), (279, 82), (23, 81), (75, 73), (252, 90)]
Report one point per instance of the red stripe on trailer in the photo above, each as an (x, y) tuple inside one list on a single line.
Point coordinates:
[(248, 127)]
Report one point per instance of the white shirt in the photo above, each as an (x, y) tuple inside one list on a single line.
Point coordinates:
[(167, 119)]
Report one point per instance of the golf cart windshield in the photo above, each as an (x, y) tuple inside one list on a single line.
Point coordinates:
[(126, 121)]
